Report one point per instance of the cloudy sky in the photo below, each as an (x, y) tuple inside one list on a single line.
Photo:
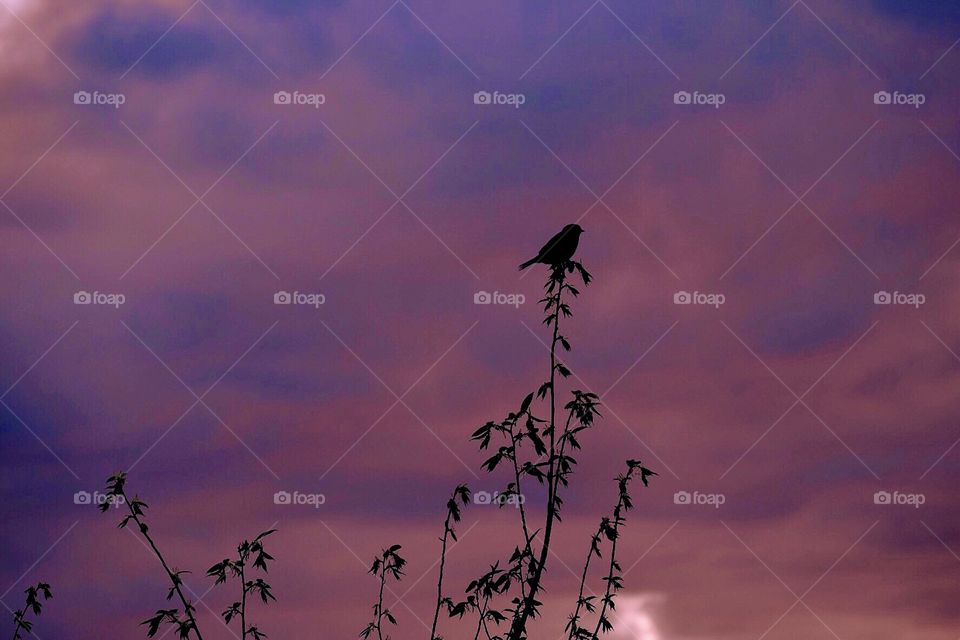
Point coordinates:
[(791, 170)]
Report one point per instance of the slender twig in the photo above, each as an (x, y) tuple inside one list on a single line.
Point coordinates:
[(518, 626), (174, 578), (594, 550), (243, 599), (443, 562)]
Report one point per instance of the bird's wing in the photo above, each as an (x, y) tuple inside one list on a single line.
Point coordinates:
[(551, 243)]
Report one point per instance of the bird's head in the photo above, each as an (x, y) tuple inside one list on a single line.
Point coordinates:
[(573, 228)]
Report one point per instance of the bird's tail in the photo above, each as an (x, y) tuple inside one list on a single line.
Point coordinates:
[(528, 263)]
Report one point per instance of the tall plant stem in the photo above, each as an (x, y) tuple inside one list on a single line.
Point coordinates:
[(187, 608), (528, 548), (383, 581), (583, 581), (443, 562), (519, 624), (243, 600)]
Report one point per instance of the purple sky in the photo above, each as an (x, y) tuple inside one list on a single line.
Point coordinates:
[(798, 199)]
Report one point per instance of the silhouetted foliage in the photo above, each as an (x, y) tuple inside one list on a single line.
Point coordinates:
[(610, 529), (183, 619), (36, 595), (536, 447), (461, 495), (388, 564), (238, 568)]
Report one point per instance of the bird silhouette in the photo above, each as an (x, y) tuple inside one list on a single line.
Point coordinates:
[(559, 249)]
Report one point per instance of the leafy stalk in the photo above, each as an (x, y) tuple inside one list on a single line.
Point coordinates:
[(238, 569), (461, 493), (611, 530), (34, 604), (388, 563), (555, 307), (116, 488)]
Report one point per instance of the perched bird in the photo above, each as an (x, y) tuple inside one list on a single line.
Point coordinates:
[(559, 249)]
